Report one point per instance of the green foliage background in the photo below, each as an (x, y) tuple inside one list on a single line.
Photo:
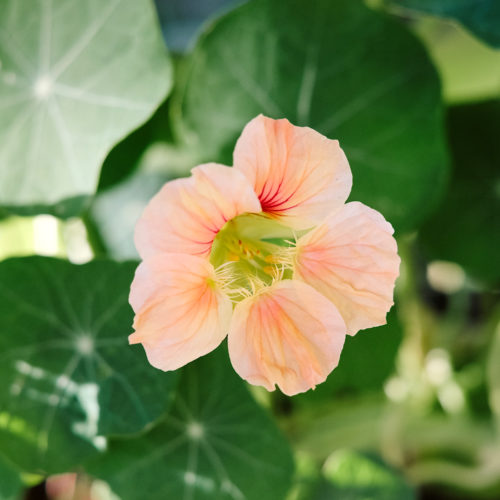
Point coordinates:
[(97, 112)]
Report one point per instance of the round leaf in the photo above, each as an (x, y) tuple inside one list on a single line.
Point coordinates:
[(215, 443), (68, 375), (350, 73), (75, 77)]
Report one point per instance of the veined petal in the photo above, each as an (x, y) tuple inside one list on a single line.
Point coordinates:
[(187, 213), (299, 175), (289, 335), (180, 314), (352, 259)]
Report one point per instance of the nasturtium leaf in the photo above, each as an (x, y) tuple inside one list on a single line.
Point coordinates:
[(10, 481), (126, 156), (69, 377), (348, 72), (215, 443), (465, 228), (367, 360), (353, 476), (481, 17), (75, 77)]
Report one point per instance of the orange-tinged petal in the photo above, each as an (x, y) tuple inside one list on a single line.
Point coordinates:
[(180, 313), (352, 259), (288, 335), (187, 213), (299, 175)]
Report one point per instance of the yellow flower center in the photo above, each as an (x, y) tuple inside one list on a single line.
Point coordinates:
[(251, 252)]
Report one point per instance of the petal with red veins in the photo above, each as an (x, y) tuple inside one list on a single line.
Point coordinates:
[(287, 335), (352, 259), (186, 214), (299, 175), (180, 314)]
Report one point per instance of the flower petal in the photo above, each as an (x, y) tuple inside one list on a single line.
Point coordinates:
[(187, 213), (352, 259), (180, 313), (289, 335), (299, 175)]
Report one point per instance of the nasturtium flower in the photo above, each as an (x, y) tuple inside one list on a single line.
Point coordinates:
[(267, 253)]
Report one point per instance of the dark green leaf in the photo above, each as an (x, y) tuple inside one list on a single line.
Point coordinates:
[(215, 444), (465, 229), (68, 376), (75, 77), (348, 72)]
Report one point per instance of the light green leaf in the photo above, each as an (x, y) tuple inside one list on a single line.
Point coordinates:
[(353, 476), (481, 17), (350, 73), (215, 443), (68, 375), (75, 77), (465, 227)]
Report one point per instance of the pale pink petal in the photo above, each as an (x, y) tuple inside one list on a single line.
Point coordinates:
[(352, 259), (289, 335), (187, 213), (180, 314), (299, 175)]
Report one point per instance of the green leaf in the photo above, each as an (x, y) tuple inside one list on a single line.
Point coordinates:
[(465, 228), (125, 157), (348, 72), (215, 443), (10, 481), (481, 17), (75, 77), (367, 360), (68, 375), (353, 476)]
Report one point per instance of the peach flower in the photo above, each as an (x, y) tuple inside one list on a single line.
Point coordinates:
[(267, 253)]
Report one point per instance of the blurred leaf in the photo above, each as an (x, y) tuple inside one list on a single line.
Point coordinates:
[(116, 210), (353, 476), (344, 70), (10, 481), (482, 17), (215, 443), (465, 227), (367, 360), (75, 78), (126, 155), (68, 375), (469, 69), (357, 422)]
